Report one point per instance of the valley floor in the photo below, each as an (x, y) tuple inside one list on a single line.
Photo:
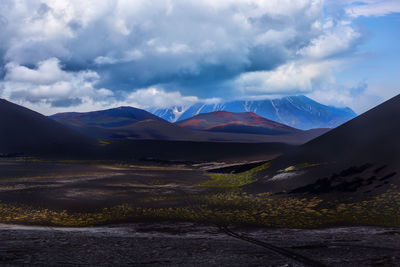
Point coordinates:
[(189, 244), (78, 213)]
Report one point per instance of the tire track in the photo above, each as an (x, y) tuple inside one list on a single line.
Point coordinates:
[(281, 251), (289, 254)]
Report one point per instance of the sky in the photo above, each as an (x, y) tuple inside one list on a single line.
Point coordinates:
[(59, 55)]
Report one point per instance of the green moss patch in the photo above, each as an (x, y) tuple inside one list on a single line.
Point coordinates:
[(231, 180)]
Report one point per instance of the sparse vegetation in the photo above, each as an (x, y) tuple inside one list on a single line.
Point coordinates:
[(220, 200), (229, 207), (224, 180), (29, 215), (104, 143)]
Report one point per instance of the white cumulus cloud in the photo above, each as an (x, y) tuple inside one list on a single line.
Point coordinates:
[(85, 54), (369, 8), (290, 78), (49, 84), (159, 98), (334, 41)]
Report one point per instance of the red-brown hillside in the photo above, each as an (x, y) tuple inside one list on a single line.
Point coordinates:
[(244, 122)]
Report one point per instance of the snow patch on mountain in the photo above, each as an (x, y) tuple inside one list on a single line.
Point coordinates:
[(297, 111)]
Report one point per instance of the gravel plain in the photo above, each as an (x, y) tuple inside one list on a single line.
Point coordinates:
[(189, 244)]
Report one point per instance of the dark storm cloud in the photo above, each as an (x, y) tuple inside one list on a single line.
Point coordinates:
[(66, 102), (198, 48)]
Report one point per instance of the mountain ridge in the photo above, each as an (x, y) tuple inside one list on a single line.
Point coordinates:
[(241, 122), (113, 117), (296, 111), (117, 123)]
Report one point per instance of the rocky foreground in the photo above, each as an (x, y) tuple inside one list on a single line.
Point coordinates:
[(188, 244)]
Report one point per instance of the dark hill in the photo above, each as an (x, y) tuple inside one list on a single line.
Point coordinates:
[(362, 155), (25, 131), (115, 117)]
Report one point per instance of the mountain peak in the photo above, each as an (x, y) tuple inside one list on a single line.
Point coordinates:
[(238, 122), (297, 111), (125, 108), (114, 117)]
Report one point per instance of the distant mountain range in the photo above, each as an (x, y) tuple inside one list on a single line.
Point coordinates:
[(361, 155), (299, 112), (221, 126), (24, 132)]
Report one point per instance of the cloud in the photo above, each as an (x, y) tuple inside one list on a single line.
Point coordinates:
[(49, 89), (49, 83), (334, 41), (369, 8), (47, 72), (98, 53), (136, 44), (291, 78), (342, 96), (159, 98), (126, 57)]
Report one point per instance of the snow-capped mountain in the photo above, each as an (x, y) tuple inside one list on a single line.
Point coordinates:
[(297, 111), (169, 114)]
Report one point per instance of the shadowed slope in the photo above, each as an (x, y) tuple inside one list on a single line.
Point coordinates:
[(372, 135), (363, 156), (23, 130), (115, 117)]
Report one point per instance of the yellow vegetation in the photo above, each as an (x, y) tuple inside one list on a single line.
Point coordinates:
[(104, 143), (228, 207), (233, 180)]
